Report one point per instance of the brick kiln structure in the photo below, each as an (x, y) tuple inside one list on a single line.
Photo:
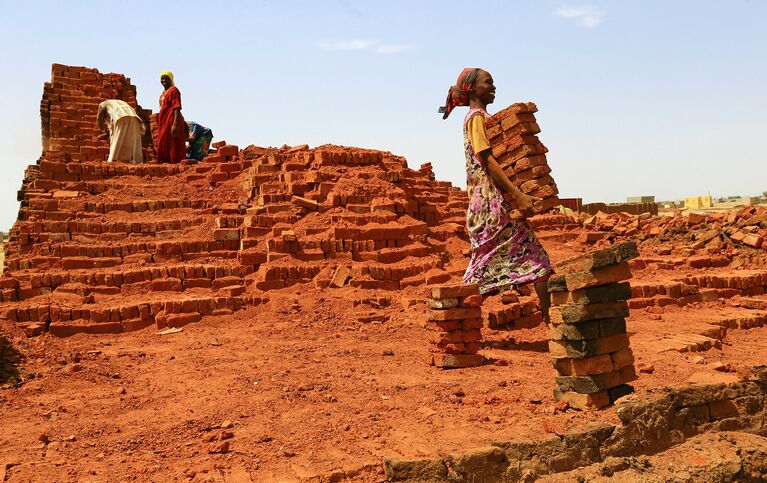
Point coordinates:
[(587, 338), (103, 247), (68, 112)]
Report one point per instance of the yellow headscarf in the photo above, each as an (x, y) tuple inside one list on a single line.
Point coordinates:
[(169, 74)]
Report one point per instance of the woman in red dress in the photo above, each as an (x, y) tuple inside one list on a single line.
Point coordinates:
[(171, 145)]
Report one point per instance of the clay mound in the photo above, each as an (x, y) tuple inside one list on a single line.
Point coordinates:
[(103, 247)]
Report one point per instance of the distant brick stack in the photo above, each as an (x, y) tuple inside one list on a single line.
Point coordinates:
[(68, 111), (456, 311), (587, 337), (512, 134)]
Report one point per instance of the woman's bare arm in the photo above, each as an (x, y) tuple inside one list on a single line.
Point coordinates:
[(522, 202)]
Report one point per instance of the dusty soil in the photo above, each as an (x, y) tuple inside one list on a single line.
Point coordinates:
[(303, 387)]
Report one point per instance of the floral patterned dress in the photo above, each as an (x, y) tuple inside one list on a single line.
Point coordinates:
[(504, 252)]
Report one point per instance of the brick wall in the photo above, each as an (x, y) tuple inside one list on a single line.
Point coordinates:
[(68, 111)]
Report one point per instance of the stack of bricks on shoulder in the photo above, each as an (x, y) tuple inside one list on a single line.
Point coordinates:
[(456, 311), (587, 336), (512, 133)]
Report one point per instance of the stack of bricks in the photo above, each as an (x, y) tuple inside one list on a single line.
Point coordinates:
[(515, 314), (68, 111), (512, 133), (456, 311), (587, 336)]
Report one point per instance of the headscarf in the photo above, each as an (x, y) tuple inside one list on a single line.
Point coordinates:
[(169, 74), (458, 95)]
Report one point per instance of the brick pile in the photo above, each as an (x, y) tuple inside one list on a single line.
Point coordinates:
[(512, 133), (515, 313), (95, 242), (587, 336), (363, 210), (68, 111), (455, 310)]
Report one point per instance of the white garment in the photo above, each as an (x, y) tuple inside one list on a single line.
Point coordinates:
[(125, 141)]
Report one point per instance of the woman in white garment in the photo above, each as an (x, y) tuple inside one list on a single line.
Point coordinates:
[(119, 121)]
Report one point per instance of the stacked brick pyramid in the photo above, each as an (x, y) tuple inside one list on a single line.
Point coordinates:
[(587, 336), (512, 133)]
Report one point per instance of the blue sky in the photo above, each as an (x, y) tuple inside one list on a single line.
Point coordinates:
[(651, 97)]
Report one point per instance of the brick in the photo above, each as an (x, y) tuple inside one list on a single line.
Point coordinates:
[(469, 324), (579, 280), (594, 295), (232, 290), (586, 366), (596, 383), (228, 150), (622, 358), (436, 275), (76, 263), (455, 361), (472, 301), (641, 303), (340, 276), (474, 335), (222, 234), (563, 349), (305, 203), (455, 314), (449, 325), (753, 240), (599, 258), (529, 321), (574, 313), (182, 319), (166, 285), (699, 262), (575, 400), (451, 337), (453, 290), (583, 331)]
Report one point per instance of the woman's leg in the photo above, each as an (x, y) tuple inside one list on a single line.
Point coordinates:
[(544, 297)]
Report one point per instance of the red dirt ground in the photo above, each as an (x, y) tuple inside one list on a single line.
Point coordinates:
[(300, 387)]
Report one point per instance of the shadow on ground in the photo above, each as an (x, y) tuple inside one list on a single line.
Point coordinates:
[(9, 360)]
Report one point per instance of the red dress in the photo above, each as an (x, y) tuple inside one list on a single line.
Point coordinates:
[(170, 149)]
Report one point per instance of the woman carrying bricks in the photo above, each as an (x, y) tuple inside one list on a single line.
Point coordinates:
[(505, 252), (171, 139)]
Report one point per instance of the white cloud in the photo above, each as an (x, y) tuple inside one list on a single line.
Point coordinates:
[(346, 45), (368, 45), (588, 17)]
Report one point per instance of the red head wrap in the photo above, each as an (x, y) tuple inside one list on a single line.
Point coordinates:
[(458, 95)]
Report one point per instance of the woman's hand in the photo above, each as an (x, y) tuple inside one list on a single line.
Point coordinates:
[(523, 203), (173, 130)]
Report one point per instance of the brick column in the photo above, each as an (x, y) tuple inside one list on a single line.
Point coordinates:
[(455, 310), (587, 336)]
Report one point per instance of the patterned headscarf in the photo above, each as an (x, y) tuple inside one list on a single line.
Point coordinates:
[(169, 74), (458, 95)]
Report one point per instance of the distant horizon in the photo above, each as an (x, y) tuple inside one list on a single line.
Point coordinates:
[(653, 99)]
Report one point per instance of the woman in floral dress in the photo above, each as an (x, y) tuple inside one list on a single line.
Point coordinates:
[(505, 252)]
